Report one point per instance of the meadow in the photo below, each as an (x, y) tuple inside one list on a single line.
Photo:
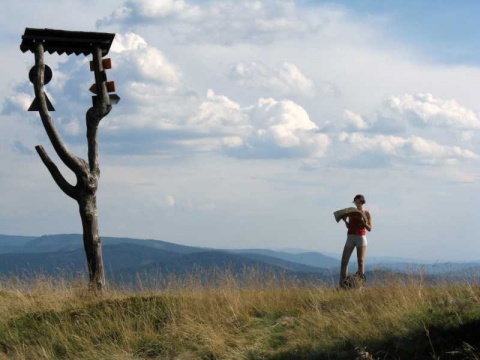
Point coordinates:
[(255, 316)]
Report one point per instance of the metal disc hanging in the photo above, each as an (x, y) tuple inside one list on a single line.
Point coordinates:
[(32, 75)]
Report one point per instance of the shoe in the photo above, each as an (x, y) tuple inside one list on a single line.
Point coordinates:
[(361, 277)]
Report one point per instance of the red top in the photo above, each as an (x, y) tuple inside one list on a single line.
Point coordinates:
[(355, 226)]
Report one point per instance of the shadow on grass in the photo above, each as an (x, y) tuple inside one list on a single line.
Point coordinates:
[(435, 342)]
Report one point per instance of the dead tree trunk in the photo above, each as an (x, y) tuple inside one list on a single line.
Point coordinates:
[(91, 241), (87, 173)]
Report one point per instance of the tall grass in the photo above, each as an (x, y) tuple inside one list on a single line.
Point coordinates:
[(220, 315)]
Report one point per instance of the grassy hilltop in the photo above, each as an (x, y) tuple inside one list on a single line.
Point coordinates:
[(255, 319)]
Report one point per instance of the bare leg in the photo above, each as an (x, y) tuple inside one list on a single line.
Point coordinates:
[(361, 252), (347, 252)]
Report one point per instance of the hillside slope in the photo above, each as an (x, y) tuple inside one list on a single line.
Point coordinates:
[(231, 321), (63, 254)]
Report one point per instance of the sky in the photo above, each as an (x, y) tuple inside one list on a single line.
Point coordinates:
[(246, 124)]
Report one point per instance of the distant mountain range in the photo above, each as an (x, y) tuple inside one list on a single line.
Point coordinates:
[(126, 260)]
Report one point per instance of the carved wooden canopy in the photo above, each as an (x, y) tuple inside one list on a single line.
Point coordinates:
[(62, 41)]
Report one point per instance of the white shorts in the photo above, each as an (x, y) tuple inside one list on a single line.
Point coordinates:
[(356, 241)]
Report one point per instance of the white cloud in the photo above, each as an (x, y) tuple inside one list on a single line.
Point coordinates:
[(18, 102), (143, 62), (157, 9), (267, 129), (224, 22), (151, 87), (162, 103), (279, 129), (286, 78), (412, 149), (151, 10), (219, 114), (354, 120), (128, 42), (426, 110), (158, 102), (161, 108)]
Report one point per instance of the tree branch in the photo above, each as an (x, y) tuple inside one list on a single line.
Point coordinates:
[(96, 113), (62, 183), (92, 141), (102, 106), (74, 163)]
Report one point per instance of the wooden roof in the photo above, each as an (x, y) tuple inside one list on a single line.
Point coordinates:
[(62, 41)]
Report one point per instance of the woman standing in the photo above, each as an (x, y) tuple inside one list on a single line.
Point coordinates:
[(357, 225)]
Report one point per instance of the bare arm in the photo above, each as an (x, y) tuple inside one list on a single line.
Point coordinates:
[(368, 223)]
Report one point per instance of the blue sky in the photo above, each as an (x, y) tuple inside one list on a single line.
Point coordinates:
[(247, 123), (443, 31)]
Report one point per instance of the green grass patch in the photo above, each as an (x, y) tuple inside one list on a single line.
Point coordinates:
[(399, 321)]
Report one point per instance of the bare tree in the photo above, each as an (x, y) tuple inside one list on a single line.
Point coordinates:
[(87, 173)]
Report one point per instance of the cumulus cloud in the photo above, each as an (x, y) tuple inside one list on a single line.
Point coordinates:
[(415, 114), (147, 79), (286, 78), (412, 149), (426, 110), (354, 120), (133, 11), (410, 129), (18, 102), (143, 62), (144, 77), (219, 115), (158, 108), (223, 22), (278, 129), (267, 129)]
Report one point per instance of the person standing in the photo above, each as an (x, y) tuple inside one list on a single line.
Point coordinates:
[(357, 225)]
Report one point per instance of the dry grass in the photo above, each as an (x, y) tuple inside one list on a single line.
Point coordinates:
[(255, 317)]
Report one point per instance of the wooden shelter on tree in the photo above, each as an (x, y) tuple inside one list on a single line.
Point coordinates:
[(39, 41)]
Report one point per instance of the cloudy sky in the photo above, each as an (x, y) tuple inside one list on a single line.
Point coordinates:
[(247, 123)]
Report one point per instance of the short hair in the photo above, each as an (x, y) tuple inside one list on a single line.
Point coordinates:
[(359, 197)]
